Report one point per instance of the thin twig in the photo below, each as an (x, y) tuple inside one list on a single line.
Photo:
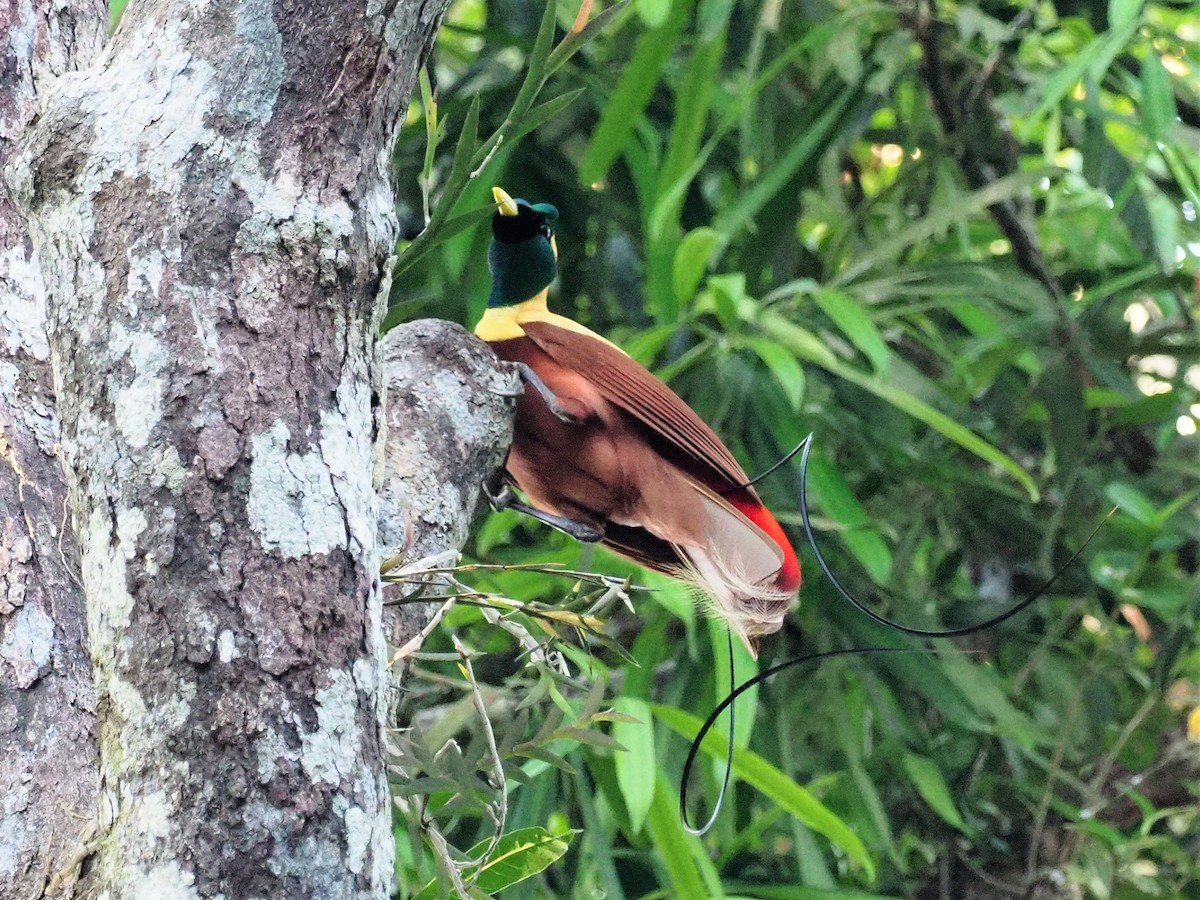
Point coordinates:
[(999, 884), (1039, 819), (491, 153), (1110, 758), (441, 849), (527, 641), (414, 644), (500, 814), (977, 167)]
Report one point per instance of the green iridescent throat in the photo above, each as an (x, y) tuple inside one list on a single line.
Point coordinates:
[(522, 268)]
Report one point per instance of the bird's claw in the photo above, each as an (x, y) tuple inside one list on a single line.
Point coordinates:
[(530, 379), (563, 416), (501, 497), (581, 531)]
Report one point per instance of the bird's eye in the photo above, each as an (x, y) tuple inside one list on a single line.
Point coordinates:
[(546, 232)]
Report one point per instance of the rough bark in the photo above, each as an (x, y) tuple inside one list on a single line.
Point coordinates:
[(214, 222), (448, 424), (48, 771)]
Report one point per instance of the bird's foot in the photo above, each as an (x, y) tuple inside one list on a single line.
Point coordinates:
[(530, 379), (501, 496)]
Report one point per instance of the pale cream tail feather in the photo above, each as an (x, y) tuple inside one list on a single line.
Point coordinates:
[(737, 566)]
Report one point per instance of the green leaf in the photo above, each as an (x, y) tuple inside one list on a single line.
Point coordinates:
[(115, 8), (535, 69), (631, 95), (433, 133), (983, 689), (927, 778), (542, 113), (456, 182), (800, 892), (589, 736), (754, 770), (691, 262), (691, 112), (1158, 100), (1092, 60), (1112, 568), (727, 292), (663, 225), (653, 12), (1164, 515), (1132, 501), (730, 221), (428, 241), (943, 218), (1123, 12), (1164, 219), (636, 767), (460, 168), (835, 498), (1155, 408), (783, 366), (922, 672), (852, 319), (808, 346), (1061, 389), (744, 668), (671, 843), (571, 44), (544, 755), (1168, 598), (518, 855)]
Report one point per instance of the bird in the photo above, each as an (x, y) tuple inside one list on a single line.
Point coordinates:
[(606, 452)]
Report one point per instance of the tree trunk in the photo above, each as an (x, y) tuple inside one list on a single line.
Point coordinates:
[(48, 770), (447, 424), (213, 218)]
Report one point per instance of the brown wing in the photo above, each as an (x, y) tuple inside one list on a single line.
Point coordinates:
[(643, 548), (631, 387)]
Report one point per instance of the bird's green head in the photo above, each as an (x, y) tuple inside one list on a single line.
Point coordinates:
[(523, 256)]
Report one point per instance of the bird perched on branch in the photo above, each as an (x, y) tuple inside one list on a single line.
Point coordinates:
[(606, 452)]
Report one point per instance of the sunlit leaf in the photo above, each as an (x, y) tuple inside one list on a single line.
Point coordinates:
[(636, 767), (1158, 100), (691, 261), (856, 325), (783, 366), (631, 95), (516, 856), (1123, 12)]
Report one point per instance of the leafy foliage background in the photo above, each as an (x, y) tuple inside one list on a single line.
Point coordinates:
[(958, 242)]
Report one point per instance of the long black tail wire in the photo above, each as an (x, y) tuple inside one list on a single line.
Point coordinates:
[(735, 690)]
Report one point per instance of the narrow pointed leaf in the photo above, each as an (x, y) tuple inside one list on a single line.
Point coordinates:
[(636, 768), (756, 771), (927, 779), (854, 322)]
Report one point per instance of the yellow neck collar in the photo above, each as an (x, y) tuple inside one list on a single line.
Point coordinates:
[(503, 323)]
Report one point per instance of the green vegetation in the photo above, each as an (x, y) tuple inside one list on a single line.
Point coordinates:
[(958, 242)]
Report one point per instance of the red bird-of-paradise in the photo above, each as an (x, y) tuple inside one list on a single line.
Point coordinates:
[(605, 451)]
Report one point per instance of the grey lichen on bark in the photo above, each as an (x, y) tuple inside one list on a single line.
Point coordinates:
[(211, 208), (48, 771), (447, 424)]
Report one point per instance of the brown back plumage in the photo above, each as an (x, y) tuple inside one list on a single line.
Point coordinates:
[(626, 384)]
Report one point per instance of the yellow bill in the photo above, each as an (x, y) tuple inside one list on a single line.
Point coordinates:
[(506, 204)]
